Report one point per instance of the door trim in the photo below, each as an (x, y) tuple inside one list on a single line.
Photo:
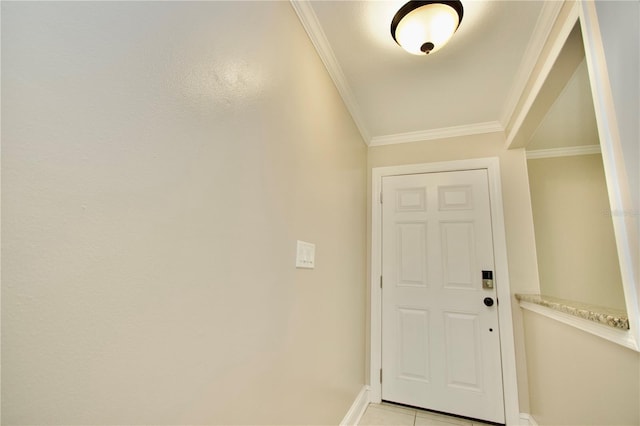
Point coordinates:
[(507, 343)]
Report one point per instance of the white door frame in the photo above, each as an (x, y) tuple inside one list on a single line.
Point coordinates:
[(507, 344)]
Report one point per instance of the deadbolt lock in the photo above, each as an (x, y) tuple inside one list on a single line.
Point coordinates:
[(487, 280)]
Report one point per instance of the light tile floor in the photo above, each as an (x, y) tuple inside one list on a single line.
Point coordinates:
[(386, 414)]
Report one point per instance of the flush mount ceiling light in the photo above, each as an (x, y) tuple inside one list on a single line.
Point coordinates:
[(423, 27)]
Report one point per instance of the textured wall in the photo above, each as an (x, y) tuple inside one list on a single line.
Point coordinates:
[(159, 160)]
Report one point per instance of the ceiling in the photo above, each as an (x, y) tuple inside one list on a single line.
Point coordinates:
[(470, 86)]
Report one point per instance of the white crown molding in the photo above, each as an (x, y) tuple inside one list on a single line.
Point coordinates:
[(312, 26), (541, 31), (568, 151), (314, 30), (442, 133)]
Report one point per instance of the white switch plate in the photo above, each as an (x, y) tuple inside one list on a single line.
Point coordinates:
[(306, 255)]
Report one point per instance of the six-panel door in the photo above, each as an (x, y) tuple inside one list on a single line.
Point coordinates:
[(440, 344)]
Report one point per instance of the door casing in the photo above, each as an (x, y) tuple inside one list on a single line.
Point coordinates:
[(507, 343)]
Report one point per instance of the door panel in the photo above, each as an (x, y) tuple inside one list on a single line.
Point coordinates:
[(440, 344), (458, 252), (411, 199), (463, 357), (412, 254), (455, 197), (413, 350)]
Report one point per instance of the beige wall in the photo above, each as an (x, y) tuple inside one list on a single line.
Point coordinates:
[(576, 378), (158, 164), (523, 271), (577, 255)]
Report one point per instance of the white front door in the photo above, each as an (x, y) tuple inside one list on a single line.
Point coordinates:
[(440, 341)]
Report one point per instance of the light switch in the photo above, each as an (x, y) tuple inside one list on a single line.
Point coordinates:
[(306, 255)]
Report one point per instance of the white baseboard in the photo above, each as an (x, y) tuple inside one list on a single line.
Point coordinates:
[(357, 409), (527, 420)]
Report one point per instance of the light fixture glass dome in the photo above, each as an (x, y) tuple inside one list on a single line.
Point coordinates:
[(423, 27)]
